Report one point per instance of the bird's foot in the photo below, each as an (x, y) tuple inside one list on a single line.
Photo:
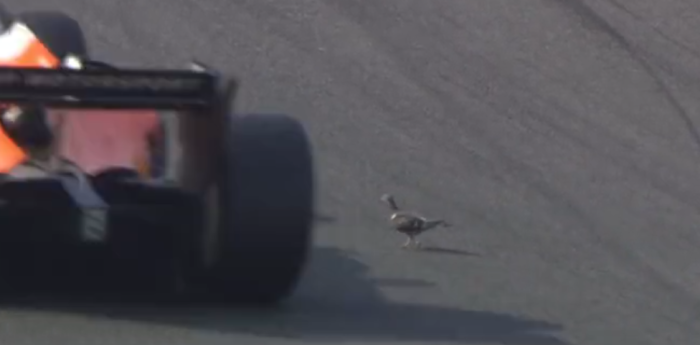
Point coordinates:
[(412, 244)]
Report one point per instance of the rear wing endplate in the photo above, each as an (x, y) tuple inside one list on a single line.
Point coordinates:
[(109, 88)]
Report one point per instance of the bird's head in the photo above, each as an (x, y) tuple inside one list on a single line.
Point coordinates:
[(388, 198)]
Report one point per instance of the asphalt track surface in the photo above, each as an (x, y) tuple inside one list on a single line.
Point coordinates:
[(559, 137)]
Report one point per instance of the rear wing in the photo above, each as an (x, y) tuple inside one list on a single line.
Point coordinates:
[(109, 88)]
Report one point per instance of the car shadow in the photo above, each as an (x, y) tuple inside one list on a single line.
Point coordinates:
[(336, 301)]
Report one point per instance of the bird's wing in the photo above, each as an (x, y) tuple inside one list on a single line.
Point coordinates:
[(408, 223)]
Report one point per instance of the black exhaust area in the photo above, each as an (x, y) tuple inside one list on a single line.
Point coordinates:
[(27, 126)]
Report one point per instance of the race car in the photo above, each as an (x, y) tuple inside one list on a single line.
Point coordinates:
[(144, 179)]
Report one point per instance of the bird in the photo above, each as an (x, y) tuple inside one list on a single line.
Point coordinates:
[(410, 223)]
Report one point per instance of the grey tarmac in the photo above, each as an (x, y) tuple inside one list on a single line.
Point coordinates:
[(558, 137)]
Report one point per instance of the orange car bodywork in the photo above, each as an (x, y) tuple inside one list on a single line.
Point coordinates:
[(93, 139)]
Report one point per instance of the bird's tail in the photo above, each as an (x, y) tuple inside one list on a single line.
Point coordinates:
[(433, 223), (389, 199)]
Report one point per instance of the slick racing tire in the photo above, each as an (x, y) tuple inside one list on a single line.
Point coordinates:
[(61, 34), (6, 18), (264, 199)]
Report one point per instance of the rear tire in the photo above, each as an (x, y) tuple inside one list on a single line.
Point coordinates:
[(265, 200), (6, 18), (61, 34)]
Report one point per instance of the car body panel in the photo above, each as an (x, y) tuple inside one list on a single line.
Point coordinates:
[(20, 48), (99, 139), (93, 139)]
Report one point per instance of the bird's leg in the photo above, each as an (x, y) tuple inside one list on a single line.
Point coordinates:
[(408, 243), (412, 243), (417, 244)]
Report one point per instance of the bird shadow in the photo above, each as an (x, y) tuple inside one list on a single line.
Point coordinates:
[(448, 251), (401, 282), (324, 218), (336, 301)]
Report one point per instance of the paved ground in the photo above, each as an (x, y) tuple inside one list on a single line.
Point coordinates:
[(558, 136)]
